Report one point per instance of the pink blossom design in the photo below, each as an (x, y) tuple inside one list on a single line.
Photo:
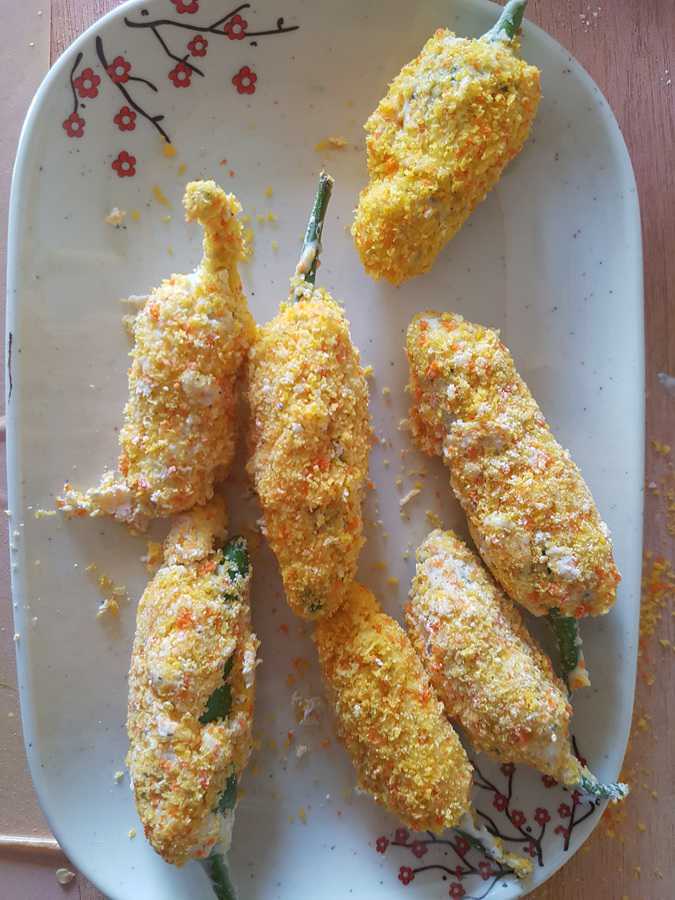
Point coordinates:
[(541, 815), (86, 84), (418, 849), (125, 119), (499, 802), (235, 28), (186, 6), (485, 869), (405, 875), (518, 818), (245, 80), (74, 125), (124, 164), (181, 75), (197, 46)]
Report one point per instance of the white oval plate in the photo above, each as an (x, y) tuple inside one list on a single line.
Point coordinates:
[(553, 258)]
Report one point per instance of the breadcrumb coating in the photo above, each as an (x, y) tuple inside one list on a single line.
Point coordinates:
[(190, 339), (490, 674), (405, 752), (530, 512), (437, 143), (309, 441), (192, 631)]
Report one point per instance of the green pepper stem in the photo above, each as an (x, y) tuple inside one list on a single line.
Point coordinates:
[(508, 24), (216, 868), (614, 791), (311, 247), (566, 631)]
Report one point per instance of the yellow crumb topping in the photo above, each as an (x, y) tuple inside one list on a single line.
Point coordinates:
[(490, 674), (405, 752), (530, 512), (309, 442), (193, 625), (436, 144), (190, 339)]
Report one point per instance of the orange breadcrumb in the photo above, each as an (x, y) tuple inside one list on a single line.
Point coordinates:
[(530, 512), (193, 621), (309, 441), (191, 337), (405, 752), (490, 674), (437, 143)]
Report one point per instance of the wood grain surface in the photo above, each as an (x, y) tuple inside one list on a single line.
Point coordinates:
[(627, 46)]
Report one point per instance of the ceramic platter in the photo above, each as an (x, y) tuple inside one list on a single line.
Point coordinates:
[(552, 258)]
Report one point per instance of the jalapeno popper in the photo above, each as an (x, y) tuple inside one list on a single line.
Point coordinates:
[(310, 436), (405, 752), (191, 692), (488, 671), (529, 510), (190, 339), (439, 141)]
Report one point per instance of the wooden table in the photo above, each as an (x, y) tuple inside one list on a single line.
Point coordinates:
[(626, 46)]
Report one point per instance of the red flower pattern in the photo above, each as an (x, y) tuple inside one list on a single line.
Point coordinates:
[(462, 845), (186, 6), (418, 849), (125, 119), (245, 80), (499, 802), (486, 870), (181, 76), (197, 46), (119, 70), (74, 125), (381, 844), (531, 845), (235, 28), (405, 874), (125, 164), (86, 84), (518, 818), (541, 815)]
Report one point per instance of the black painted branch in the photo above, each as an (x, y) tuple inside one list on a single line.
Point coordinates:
[(154, 120)]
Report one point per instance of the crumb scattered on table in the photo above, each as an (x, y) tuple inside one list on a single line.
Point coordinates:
[(331, 143), (115, 216), (64, 876)]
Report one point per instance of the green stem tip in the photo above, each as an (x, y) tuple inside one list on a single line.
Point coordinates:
[(508, 24), (216, 868), (570, 649), (614, 791), (311, 246)]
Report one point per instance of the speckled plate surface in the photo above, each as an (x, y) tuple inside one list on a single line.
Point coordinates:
[(553, 258)]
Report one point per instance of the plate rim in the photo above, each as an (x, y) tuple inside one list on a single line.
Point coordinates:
[(16, 221)]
